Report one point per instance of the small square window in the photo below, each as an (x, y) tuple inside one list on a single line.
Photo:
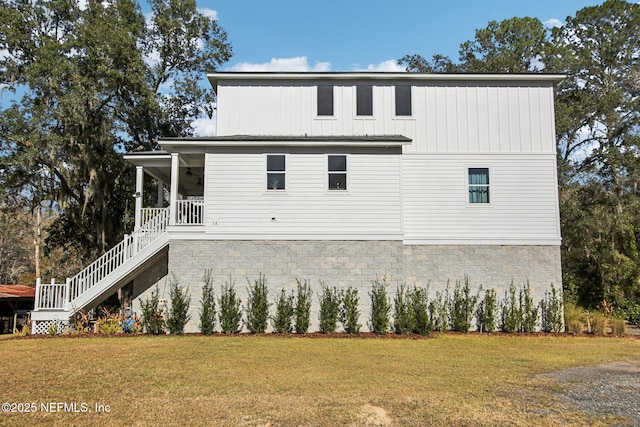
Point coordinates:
[(364, 100), (479, 185), (276, 171), (325, 100), (337, 166)]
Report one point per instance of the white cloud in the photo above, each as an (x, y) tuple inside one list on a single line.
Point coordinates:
[(553, 22), (210, 13), (204, 127), (298, 63), (385, 66)]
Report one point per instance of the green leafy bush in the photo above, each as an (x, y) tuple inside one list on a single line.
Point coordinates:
[(552, 311), (380, 307), (283, 319), (350, 311), (152, 315), (403, 320), (632, 313), (179, 312), (487, 311), (257, 308), (463, 306), (329, 308), (529, 310), (439, 311), (302, 310), (207, 304), (511, 312), (230, 313), (419, 308)]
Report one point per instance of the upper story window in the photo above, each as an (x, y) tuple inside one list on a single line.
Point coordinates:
[(364, 100), (325, 100), (403, 100), (337, 167), (276, 171), (479, 185)]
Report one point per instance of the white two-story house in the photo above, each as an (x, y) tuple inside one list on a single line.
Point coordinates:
[(344, 177)]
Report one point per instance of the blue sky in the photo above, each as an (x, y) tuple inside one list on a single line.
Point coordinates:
[(348, 35)]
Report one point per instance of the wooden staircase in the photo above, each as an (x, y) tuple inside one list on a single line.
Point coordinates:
[(55, 303)]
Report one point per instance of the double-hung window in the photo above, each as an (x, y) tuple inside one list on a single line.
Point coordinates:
[(479, 185), (276, 171), (337, 170)]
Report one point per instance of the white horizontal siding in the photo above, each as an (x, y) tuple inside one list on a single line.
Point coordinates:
[(448, 117), (238, 203), (523, 195)]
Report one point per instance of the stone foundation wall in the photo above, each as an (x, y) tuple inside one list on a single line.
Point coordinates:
[(356, 263)]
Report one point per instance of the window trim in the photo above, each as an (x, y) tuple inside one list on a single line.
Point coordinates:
[(268, 171), (469, 186), (345, 172)]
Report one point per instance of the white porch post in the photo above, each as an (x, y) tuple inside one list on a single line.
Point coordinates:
[(138, 195), (175, 169)]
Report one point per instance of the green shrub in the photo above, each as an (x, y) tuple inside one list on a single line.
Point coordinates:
[(439, 311), (329, 308), (283, 319), (302, 310), (380, 307), (403, 316), (528, 309), (230, 313), (152, 315), (575, 314), (178, 313), (632, 312), (511, 313), (419, 307), (257, 308), (207, 304), (487, 310), (350, 311), (552, 311), (463, 306)]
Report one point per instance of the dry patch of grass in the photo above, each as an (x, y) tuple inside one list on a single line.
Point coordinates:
[(257, 381)]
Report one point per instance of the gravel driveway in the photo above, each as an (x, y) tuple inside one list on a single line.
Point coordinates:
[(612, 389)]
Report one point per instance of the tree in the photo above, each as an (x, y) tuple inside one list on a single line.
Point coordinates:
[(93, 79), (598, 119)]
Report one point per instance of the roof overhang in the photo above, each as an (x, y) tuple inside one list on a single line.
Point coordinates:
[(231, 76), (201, 144)]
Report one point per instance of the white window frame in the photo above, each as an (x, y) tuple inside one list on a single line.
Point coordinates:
[(267, 172), (346, 173), (469, 186)]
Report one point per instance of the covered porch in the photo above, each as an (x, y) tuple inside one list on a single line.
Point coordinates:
[(168, 180)]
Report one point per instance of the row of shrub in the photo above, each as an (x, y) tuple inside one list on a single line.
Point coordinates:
[(412, 311)]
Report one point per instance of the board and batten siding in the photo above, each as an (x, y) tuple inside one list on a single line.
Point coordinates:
[(239, 206), (447, 117), (523, 206)]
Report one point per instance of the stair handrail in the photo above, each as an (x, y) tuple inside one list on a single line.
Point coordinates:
[(119, 254)]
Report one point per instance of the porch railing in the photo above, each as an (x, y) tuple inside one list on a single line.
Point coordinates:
[(189, 212), (148, 214), (51, 296)]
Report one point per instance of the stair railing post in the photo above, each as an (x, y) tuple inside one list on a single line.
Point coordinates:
[(126, 248), (67, 294), (36, 304)]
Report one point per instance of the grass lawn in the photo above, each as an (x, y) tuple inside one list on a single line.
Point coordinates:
[(265, 380)]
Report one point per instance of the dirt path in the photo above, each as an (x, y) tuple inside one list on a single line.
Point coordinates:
[(612, 389)]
